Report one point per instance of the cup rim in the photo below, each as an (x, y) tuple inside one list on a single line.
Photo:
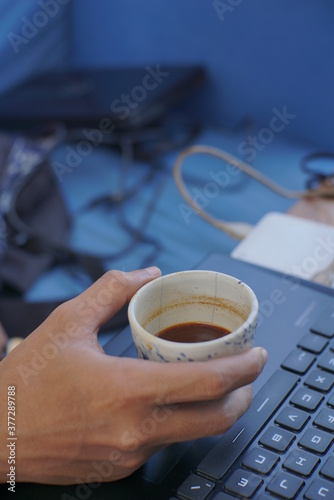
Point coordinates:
[(147, 337)]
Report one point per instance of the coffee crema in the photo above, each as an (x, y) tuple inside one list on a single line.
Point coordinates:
[(192, 332)]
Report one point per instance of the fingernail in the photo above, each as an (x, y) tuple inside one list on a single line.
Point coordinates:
[(153, 271), (264, 355)]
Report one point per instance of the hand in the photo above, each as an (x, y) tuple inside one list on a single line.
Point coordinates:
[(84, 416)]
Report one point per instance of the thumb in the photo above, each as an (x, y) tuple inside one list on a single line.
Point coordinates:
[(107, 295)]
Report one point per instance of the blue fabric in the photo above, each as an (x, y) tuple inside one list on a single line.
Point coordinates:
[(33, 38), (185, 238)]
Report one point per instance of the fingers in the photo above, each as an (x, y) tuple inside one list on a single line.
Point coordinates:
[(192, 421), (214, 397), (210, 380), (165, 426), (106, 296)]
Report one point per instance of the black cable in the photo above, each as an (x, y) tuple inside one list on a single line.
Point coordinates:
[(139, 233), (128, 143)]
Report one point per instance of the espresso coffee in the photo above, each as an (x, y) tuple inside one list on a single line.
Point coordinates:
[(192, 332)]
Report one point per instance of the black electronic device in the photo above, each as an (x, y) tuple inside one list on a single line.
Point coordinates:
[(109, 99), (283, 446)]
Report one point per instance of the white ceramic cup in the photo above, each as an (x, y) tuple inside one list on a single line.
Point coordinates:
[(193, 296)]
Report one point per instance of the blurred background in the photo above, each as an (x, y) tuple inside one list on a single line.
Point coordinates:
[(257, 54), (267, 99)]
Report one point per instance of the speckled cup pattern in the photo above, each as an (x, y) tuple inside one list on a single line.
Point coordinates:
[(205, 296)]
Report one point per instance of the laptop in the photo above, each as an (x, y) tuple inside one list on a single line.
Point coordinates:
[(112, 99), (283, 446)]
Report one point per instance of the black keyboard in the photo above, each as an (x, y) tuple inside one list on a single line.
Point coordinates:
[(290, 426), (282, 447)]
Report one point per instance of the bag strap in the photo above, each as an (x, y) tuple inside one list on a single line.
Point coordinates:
[(238, 230)]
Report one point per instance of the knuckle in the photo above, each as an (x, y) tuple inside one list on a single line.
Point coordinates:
[(215, 385), (229, 419), (112, 274), (62, 312), (129, 444), (231, 411), (132, 463), (216, 426), (115, 279)]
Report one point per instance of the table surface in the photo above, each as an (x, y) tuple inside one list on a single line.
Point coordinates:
[(184, 239)]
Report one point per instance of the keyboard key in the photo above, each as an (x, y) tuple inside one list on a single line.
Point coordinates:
[(320, 380), (260, 460), (316, 440), (301, 462), (195, 488), (328, 468), (330, 402), (325, 419), (320, 490), (218, 461), (324, 324), (277, 439), (307, 399), (243, 483), (292, 419), (327, 362), (313, 343), (284, 485), (298, 361)]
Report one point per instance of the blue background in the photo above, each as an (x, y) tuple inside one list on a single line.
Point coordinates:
[(26, 47), (260, 56)]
